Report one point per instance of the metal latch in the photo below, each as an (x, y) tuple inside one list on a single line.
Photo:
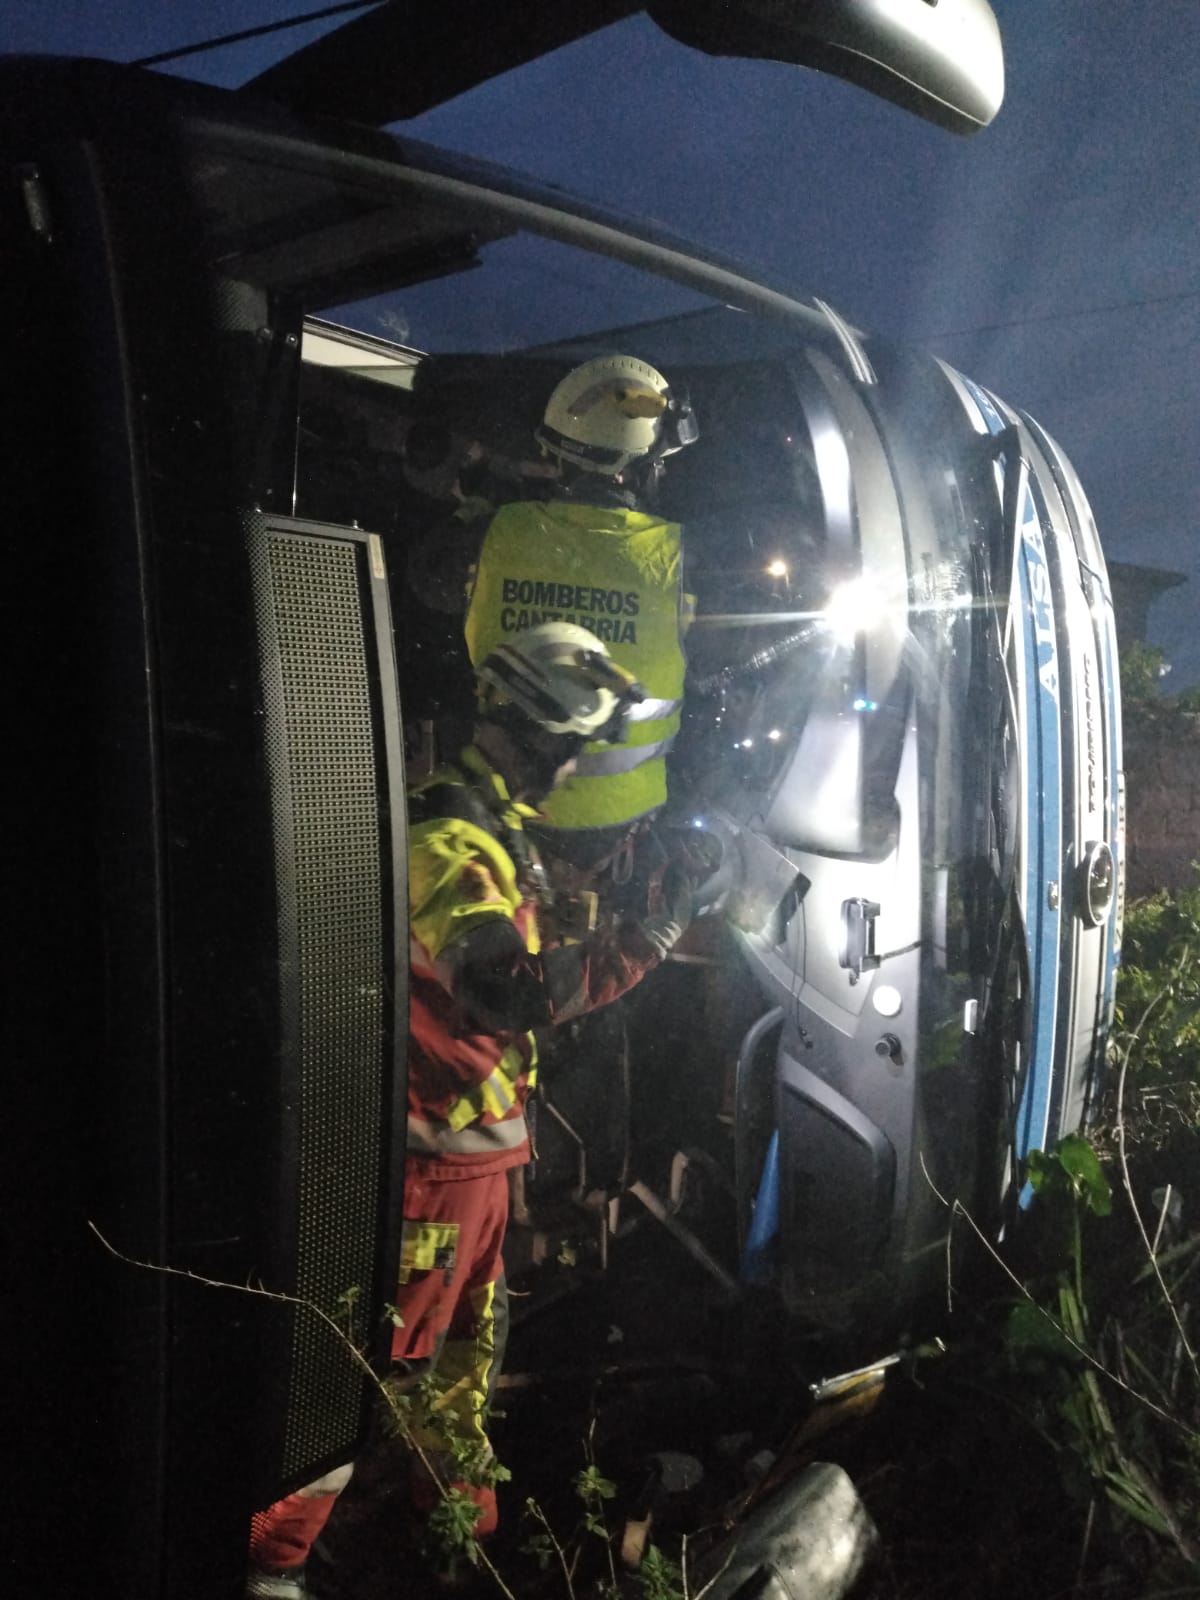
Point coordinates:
[(858, 937)]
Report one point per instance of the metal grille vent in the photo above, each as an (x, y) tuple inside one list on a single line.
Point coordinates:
[(326, 769)]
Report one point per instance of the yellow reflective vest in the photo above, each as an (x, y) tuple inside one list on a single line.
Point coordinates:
[(466, 1085), (618, 573)]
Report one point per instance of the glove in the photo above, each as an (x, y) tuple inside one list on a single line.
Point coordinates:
[(665, 926)]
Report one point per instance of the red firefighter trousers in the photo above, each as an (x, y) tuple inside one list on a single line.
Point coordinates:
[(451, 1304)]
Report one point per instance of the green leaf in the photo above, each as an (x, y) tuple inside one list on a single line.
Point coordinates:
[(1127, 1496), (1031, 1328), (450, 1528), (592, 1485), (1082, 1165), (1072, 1167), (658, 1577), (1042, 1171)]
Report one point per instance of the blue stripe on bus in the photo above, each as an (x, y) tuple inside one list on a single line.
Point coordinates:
[(1104, 630), (1043, 797), (1042, 777)]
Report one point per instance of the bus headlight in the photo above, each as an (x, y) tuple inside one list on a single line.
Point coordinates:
[(1099, 880)]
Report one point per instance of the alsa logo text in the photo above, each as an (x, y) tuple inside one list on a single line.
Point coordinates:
[(1041, 600)]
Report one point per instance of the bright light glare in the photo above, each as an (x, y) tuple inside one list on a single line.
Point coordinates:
[(775, 734), (777, 568), (854, 607)]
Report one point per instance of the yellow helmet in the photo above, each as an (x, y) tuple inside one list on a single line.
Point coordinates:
[(612, 411)]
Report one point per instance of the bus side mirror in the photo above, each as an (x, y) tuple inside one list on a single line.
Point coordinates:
[(941, 59)]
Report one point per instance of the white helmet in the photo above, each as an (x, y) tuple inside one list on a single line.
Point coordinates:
[(561, 677), (614, 410)]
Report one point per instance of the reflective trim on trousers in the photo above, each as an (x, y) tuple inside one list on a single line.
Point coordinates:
[(457, 1384), (428, 1247)]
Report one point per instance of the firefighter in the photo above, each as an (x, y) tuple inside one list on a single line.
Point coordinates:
[(480, 983), (596, 556)]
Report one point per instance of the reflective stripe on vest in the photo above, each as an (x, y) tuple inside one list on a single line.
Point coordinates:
[(430, 1137), (496, 1095), (607, 758), (617, 573), (652, 710)]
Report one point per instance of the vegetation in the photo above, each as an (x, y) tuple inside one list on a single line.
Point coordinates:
[(1066, 1416), (1155, 1102), (1143, 671), (1054, 1450)]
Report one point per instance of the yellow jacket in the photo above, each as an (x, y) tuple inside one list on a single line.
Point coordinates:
[(618, 573)]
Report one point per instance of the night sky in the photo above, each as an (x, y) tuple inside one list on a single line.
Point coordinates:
[(1055, 256)]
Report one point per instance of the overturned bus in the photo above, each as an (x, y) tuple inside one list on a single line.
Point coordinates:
[(899, 760), (900, 764)]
